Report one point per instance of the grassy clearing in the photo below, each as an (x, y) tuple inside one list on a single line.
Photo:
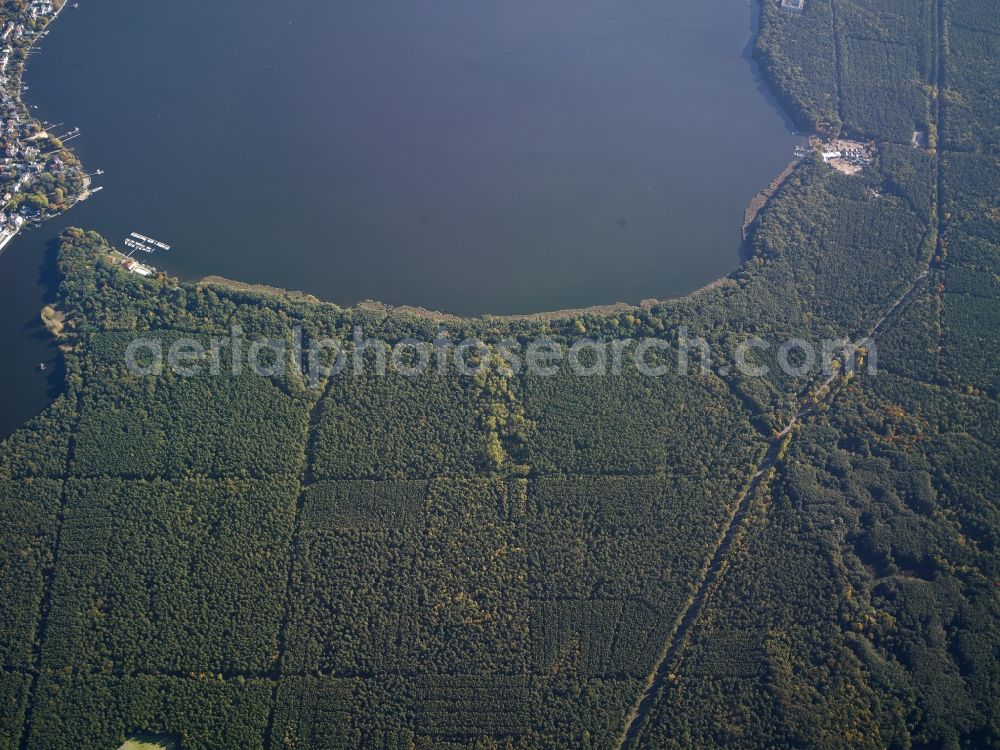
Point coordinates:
[(151, 742)]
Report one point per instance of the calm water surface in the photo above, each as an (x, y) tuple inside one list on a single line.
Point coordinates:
[(466, 155)]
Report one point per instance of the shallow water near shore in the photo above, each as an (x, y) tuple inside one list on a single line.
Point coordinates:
[(463, 155)]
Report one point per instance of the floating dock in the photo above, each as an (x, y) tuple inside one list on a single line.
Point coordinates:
[(150, 241), (137, 241)]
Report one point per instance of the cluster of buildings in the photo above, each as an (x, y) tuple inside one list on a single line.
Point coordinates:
[(42, 9), (130, 264), (16, 157), (849, 157), (22, 159)]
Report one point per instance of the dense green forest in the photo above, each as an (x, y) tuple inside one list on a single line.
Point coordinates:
[(511, 560)]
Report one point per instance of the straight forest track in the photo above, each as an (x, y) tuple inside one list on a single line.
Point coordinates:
[(820, 392), (838, 63), (48, 581), (305, 480)]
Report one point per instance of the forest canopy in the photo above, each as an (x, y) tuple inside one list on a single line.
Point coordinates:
[(706, 559)]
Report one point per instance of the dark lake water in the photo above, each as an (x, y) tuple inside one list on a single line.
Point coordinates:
[(466, 155)]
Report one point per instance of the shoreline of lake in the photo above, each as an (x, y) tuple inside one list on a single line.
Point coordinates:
[(33, 269), (741, 255), (656, 214), (21, 150)]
